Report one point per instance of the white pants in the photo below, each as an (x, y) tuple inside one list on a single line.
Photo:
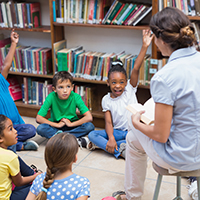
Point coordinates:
[(138, 146)]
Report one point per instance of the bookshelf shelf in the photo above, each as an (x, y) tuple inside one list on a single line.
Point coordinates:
[(102, 26), (31, 75), (43, 29), (196, 18)]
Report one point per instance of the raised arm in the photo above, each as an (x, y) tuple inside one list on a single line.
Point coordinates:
[(8, 60), (147, 38)]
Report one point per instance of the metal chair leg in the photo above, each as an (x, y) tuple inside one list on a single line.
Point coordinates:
[(198, 187), (158, 183)]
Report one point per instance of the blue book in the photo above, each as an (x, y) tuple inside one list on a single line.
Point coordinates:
[(29, 91), (33, 92), (30, 60), (28, 15), (124, 14), (54, 10), (40, 90), (95, 11)]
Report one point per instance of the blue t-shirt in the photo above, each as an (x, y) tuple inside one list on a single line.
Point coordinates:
[(7, 105), (71, 188), (178, 84)]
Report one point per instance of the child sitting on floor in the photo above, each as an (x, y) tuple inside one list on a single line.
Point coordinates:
[(8, 107), (10, 170), (113, 138), (59, 182), (63, 103)]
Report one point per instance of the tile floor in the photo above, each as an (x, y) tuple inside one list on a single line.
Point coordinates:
[(106, 174)]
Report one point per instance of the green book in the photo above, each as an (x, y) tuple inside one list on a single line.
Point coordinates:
[(120, 14), (114, 12), (129, 12), (59, 56)]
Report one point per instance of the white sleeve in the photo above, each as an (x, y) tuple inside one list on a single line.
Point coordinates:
[(105, 103)]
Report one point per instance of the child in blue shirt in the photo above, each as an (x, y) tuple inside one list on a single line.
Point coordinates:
[(8, 107)]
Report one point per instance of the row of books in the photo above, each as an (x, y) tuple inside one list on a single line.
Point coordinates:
[(34, 92), (149, 67), (86, 94), (95, 65), (20, 15), (99, 12), (36, 60), (80, 11), (126, 14), (189, 7)]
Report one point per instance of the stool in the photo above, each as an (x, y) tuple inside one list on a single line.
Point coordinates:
[(161, 171)]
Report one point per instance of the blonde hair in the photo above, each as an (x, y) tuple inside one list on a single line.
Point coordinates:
[(60, 152)]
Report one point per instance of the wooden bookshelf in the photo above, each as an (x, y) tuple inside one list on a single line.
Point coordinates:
[(43, 29)]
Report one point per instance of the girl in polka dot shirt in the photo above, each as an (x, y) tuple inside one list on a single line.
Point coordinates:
[(59, 182)]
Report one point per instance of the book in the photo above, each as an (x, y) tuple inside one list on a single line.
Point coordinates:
[(35, 14), (148, 107), (19, 10), (120, 14), (143, 14), (58, 46), (4, 13), (117, 13), (14, 89), (109, 11), (116, 7), (8, 10)]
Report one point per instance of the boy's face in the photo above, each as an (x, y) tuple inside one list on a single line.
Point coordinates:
[(63, 89)]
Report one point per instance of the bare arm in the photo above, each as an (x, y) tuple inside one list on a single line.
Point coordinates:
[(87, 117), (19, 180), (43, 120), (8, 60), (30, 196), (83, 198), (147, 38), (160, 131), (111, 144)]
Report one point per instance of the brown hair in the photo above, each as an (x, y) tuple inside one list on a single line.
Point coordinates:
[(62, 75), (173, 27), (3, 120), (60, 152)]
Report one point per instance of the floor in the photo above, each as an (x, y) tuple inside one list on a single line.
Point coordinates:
[(106, 174)]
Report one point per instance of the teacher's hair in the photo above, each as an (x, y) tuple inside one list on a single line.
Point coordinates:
[(173, 27)]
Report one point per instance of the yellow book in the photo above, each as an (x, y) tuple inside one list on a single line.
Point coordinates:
[(148, 107)]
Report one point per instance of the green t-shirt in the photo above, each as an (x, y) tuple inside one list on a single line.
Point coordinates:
[(63, 108)]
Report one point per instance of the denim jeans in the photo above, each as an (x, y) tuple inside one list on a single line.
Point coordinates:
[(25, 132), (100, 138), (45, 130)]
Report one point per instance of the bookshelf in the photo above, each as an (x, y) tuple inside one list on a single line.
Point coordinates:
[(95, 37)]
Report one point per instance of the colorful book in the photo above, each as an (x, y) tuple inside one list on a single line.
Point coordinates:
[(14, 89), (35, 14)]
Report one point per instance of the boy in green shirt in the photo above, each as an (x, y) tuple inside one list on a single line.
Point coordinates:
[(63, 103)]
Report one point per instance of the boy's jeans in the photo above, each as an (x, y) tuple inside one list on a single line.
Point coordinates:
[(45, 130), (100, 138), (25, 132)]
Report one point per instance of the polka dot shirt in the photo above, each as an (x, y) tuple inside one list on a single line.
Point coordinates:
[(69, 188)]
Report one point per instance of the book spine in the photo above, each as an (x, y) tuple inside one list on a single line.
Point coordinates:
[(124, 14), (54, 10), (109, 11), (127, 15), (115, 10)]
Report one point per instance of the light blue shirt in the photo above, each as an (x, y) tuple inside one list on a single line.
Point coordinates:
[(178, 84), (7, 105)]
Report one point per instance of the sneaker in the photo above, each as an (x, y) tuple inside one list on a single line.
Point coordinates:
[(122, 150), (30, 145), (192, 192), (86, 143)]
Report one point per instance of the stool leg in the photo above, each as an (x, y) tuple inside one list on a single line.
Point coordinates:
[(178, 189), (158, 183), (198, 187)]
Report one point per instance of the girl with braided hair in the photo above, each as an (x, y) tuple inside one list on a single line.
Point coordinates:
[(173, 141), (59, 182)]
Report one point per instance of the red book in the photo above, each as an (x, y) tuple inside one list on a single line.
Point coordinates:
[(25, 90), (35, 14), (4, 42), (47, 64), (14, 89)]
